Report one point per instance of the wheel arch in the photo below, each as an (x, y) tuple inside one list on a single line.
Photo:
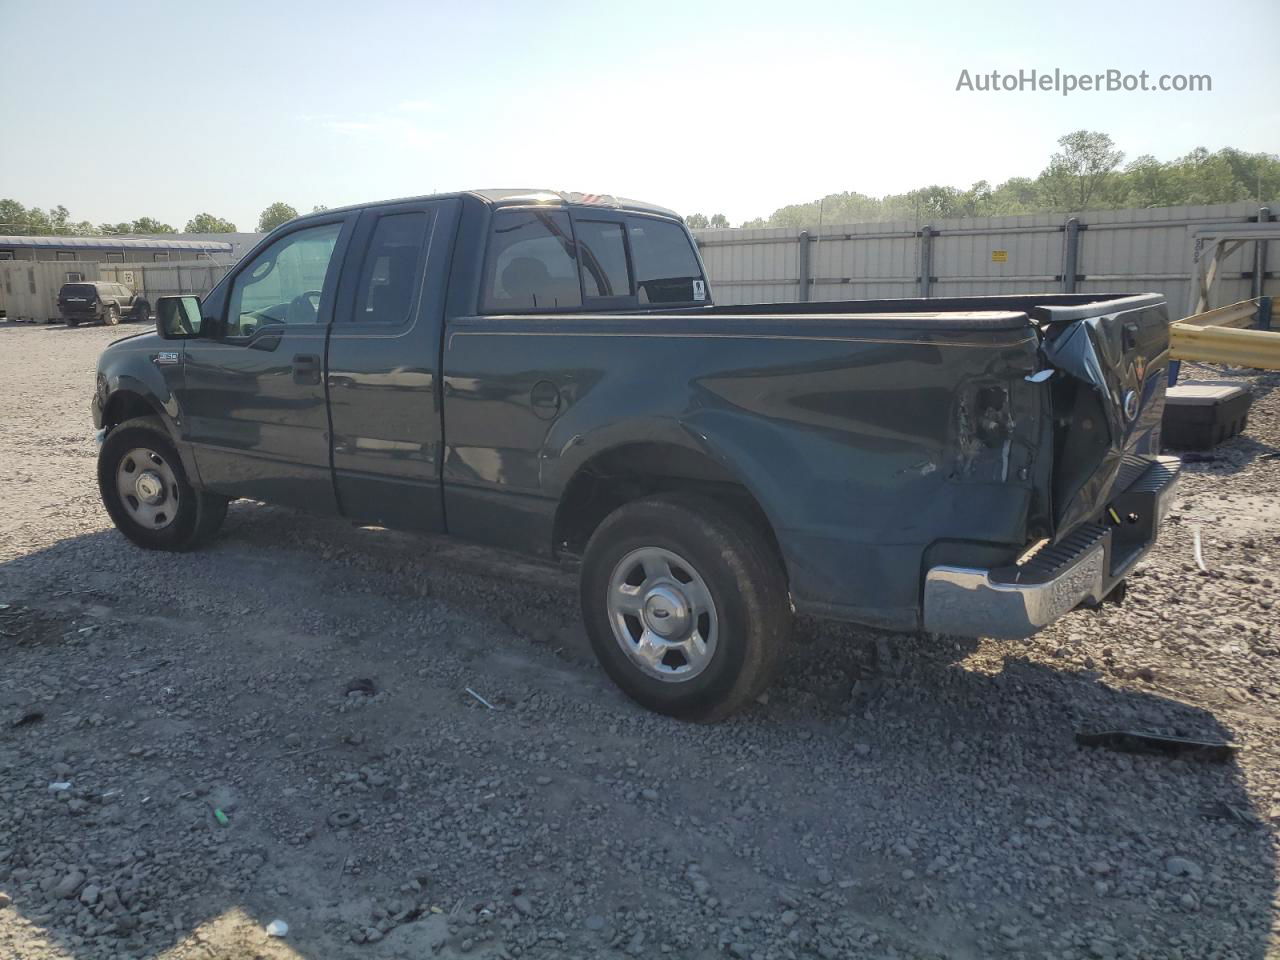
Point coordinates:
[(126, 403), (635, 469), (128, 398)]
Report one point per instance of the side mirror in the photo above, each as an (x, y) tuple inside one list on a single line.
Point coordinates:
[(178, 318)]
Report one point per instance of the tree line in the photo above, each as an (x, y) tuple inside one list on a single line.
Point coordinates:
[(1086, 172), (17, 220)]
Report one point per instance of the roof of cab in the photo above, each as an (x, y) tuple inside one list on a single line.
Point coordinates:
[(508, 197)]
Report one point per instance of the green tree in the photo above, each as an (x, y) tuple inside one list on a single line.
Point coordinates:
[(13, 217), (719, 221), (1149, 183), (58, 217), (319, 208), (275, 215), (1259, 173), (1078, 171), (208, 223), (1015, 195), (1204, 177), (696, 221), (148, 225), (933, 202), (111, 229)]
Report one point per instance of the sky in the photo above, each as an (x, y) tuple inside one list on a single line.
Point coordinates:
[(168, 109)]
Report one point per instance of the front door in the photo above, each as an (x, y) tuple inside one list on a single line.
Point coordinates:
[(254, 395)]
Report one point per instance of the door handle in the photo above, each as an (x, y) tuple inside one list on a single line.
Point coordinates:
[(306, 368)]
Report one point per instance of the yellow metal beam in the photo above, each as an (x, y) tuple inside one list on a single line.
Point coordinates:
[(1216, 344), (1242, 314)]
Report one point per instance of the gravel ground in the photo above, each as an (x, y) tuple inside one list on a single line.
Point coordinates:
[(280, 727)]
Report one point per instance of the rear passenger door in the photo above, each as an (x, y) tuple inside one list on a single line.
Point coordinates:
[(383, 365), (504, 393)]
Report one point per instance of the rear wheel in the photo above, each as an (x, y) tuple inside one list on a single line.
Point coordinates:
[(142, 311), (146, 491), (73, 323), (686, 606)]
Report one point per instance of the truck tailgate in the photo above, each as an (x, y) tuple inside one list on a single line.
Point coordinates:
[(1107, 399)]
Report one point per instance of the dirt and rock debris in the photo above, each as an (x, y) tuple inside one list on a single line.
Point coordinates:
[(400, 747)]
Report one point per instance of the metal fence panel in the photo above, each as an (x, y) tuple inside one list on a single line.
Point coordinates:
[(154, 280), (864, 261), (29, 288), (1125, 251)]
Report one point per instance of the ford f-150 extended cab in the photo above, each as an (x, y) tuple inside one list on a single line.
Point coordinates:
[(548, 373)]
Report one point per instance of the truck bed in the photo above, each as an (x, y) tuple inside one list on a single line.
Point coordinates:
[(881, 438)]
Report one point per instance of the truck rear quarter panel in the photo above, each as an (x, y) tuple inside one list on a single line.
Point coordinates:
[(864, 440)]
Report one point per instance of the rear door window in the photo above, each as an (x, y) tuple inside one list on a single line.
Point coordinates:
[(603, 252), (392, 272), (531, 264), (666, 267)]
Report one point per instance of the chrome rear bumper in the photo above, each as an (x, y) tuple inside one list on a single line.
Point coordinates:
[(1083, 567)]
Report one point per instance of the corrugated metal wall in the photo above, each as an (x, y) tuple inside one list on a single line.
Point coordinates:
[(1122, 251), (154, 280), (29, 289)]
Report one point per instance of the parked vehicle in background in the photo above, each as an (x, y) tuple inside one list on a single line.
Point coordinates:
[(100, 301), (547, 373)]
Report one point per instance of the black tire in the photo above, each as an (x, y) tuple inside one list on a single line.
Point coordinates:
[(198, 514), (73, 323), (744, 577), (142, 311), (111, 316)]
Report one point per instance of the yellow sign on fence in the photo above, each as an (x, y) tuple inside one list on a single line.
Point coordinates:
[(999, 256)]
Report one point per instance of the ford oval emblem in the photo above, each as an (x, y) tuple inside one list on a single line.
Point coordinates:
[(1131, 405)]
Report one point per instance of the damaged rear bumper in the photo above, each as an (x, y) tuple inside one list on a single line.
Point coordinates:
[(1083, 567)]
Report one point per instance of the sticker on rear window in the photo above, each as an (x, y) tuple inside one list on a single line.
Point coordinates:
[(699, 290)]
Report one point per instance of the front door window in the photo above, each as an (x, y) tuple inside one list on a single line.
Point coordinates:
[(284, 283)]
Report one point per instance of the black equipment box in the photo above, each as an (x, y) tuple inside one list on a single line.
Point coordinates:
[(1200, 414)]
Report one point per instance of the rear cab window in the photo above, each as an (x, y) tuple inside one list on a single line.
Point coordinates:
[(548, 260), (667, 269), (602, 253), (532, 262)]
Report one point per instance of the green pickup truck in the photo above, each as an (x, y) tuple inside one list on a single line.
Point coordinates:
[(549, 373)]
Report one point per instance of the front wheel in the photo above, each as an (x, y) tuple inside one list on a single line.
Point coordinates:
[(146, 491), (686, 606), (112, 316)]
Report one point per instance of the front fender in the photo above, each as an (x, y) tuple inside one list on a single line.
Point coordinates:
[(135, 374)]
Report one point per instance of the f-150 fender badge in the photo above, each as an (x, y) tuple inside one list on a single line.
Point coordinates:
[(165, 356)]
